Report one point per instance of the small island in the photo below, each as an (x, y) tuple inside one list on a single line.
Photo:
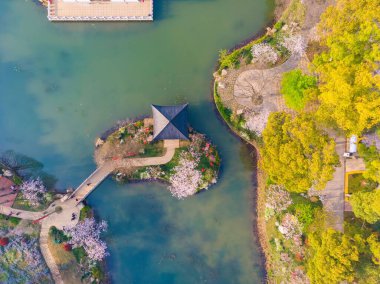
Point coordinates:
[(142, 144)]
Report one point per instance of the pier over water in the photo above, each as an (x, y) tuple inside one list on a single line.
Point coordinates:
[(100, 10)]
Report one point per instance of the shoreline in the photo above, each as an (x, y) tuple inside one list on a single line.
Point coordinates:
[(258, 200), (258, 175)]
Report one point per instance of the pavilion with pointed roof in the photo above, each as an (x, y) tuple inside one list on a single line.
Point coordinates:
[(170, 122)]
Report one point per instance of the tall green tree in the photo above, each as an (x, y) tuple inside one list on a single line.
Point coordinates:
[(297, 88), (333, 257), (349, 69), (371, 158), (296, 153), (374, 246), (366, 205)]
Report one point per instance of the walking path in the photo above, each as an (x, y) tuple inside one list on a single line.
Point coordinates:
[(101, 173), (354, 165), (264, 82), (72, 205), (333, 194), (49, 259), (22, 214)]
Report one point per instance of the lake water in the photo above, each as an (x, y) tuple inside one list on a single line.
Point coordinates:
[(61, 85)]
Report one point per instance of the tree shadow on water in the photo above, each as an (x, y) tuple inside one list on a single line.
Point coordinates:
[(26, 167)]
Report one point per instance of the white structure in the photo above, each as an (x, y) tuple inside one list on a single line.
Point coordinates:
[(100, 10), (353, 146)]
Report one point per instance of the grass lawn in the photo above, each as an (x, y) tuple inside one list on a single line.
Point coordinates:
[(173, 162), (155, 149), (8, 222), (356, 182), (68, 266), (86, 212), (22, 204)]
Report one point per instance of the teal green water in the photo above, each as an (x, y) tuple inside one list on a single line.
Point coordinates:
[(61, 85)]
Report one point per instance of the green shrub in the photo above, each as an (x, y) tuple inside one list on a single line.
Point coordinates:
[(305, 213), (17, 180), (85, 212), (232, 59), (297, 88), (305, 210), (225, 112), (371, 158), (14, 221), (228, 60), (57, 235), (279, 25), (97, 272), (79, 254)]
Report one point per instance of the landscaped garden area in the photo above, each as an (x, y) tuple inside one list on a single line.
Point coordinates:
[(290, 220), (322, 102), (33, 196), (129, 139), (20, 258), (247, 78), (34, 188), (272, 48), (194, 167), (78, 251), (358, 183)]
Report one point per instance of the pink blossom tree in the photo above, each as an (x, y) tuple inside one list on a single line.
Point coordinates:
[(186, 178), (264, 53), (295, 44), (290, 226), (33, 190), (277, 198), (86, 234)]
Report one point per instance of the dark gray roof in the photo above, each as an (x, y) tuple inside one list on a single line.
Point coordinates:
[(170, 122)]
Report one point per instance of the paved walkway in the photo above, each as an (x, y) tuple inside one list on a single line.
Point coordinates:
[(101, 173), (354, 165), (333, 194), (49, 259), (265, 82), (50, 217), (22, 214)]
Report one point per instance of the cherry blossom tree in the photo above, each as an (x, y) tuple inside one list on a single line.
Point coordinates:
[(33, 190), (186, 178), (290, 226), (264, 53), (195, 148), (277, 198), (86, 234), (295, 44), (257, 121), (20, 250)]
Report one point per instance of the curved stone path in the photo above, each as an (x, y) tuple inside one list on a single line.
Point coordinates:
[(265, 82), (73, 203)]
